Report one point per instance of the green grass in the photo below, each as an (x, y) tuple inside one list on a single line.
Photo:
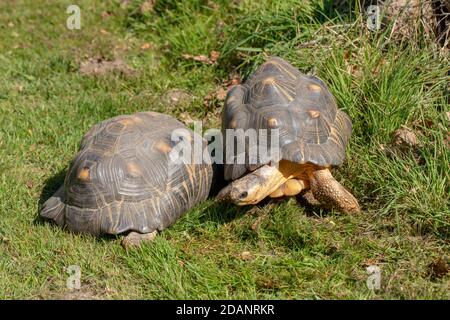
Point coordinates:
[(291, 251)]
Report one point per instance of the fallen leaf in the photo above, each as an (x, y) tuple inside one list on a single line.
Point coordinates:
[(99, 66), (212, 99), (212, 59), (186, 118), (146, 46), (370, 262), (175, 97), (221, 94), (124, 3), (105, 14), (213, 5), (405, 136), (4, 239), (214, 55), (246, 255), (200, 58), (233, 80), (147, 6), (439, 268)]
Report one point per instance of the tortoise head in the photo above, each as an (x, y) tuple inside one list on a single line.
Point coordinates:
[(244, 191), (253, 187)]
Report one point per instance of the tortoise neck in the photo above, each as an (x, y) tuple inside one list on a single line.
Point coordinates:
[(291, 169)]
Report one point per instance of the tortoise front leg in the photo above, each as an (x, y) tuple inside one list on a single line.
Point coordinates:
[(291, 187), (330, 193)]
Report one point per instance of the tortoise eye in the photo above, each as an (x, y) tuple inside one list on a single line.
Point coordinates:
[(243, 195), (272, 122)]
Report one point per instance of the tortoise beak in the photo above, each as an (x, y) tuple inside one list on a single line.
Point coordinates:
[(224, 194)]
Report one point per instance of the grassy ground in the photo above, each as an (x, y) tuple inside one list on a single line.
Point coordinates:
[(281, 250)]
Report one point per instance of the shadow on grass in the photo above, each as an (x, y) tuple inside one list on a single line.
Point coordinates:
[(222, 213), (345, 9), (219, 213), (311, 210)]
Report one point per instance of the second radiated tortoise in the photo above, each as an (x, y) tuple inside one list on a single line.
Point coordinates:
[(123, 180)]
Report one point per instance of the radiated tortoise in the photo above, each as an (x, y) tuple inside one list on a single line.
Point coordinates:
[(123, 180)]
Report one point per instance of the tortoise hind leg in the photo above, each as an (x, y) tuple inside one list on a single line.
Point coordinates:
[(53, 208), (135, 239), (330, 193)]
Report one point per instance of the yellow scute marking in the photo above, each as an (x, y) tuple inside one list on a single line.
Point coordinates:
[(272, 122), (313, 113), (163, 147), (126, 121), (269, 80), (134, 169), (83, 175), (315, 87)]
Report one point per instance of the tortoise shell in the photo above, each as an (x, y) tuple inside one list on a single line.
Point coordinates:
[(277, 96), (123, 178)]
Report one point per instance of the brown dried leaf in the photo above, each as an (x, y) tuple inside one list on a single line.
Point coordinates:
[(124, 3), (29, 184), (214, 98), (439, 268), (147, 6), (234, 80), (146, 46), (175, 97), (98, 66), (105, 14), (221, 94), (212, 59), (200, 58), (405, 136), (246, 255), (186, 118), (214, 56)]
